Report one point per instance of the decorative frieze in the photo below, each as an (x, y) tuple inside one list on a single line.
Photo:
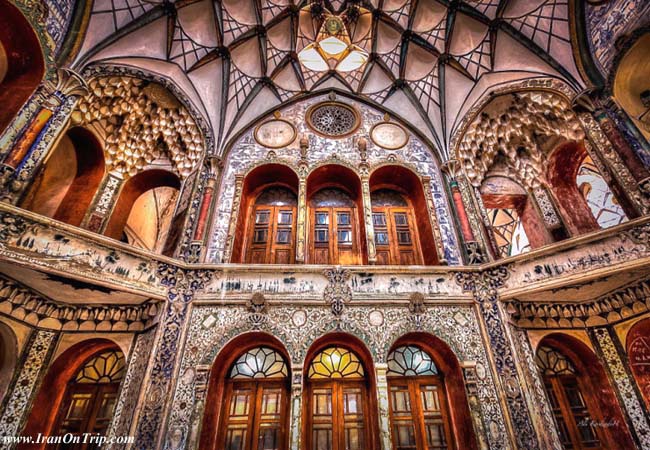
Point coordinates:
[(337, 292), (612, 308), (25, 305)]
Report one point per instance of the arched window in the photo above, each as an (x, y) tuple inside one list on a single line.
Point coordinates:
[(255, 407), (403, 232), (90, 397), (396, 237), (599, 197), (335, 230), (509, 232), (574, 420), (272, 236), (146, 190), (337, 402), (418, 407)]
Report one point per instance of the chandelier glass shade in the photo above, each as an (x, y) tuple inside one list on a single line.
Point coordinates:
[(333, 49)]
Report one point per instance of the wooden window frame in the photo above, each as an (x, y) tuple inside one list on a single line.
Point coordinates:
[(270, 246), (257, 386), (338, 423), (394, 247), (413, 385), (333, 245)]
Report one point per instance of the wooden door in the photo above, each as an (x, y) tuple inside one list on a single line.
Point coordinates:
[(338, 415), (335, 236), (396, 238), (572, 416), (254, 416), (87, 408), (419, 414), (272, 235)]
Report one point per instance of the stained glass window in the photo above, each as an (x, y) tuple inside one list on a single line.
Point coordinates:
[(108, 367), (409, 361), (552, 362), (260, 362), (598, 196), (508, 231), (336, 362)]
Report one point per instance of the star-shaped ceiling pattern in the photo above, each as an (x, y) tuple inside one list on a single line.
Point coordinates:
[(430, 60)]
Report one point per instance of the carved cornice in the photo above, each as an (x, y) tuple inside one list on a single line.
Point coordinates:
[(614, 307), (25, 305)]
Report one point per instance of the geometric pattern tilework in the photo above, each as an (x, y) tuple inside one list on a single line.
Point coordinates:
[(18, 401)]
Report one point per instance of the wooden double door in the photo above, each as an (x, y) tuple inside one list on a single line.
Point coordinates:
[(335, 236), (87, 408), (272, 236), (419, 414), (338, 415), (254, 416), (396, 238)]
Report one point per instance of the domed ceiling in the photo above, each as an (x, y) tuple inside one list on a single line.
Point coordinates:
[(429, 60)]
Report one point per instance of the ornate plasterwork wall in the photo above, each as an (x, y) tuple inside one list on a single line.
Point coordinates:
[(608, 22), (211, 327), (246, 153)]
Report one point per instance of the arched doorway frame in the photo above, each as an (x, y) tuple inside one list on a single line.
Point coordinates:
[(229, 353)]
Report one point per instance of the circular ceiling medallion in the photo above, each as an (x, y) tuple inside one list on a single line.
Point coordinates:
[(275, 133), (389, 135), (333, 119)]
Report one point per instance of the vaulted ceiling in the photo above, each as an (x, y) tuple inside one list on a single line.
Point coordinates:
[(430, 60)]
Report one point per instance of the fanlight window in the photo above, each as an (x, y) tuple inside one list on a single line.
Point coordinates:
[(598, 196), (107, 367), (259, 362), (508, 231), (551, 362), (409, 361), (335, 362)]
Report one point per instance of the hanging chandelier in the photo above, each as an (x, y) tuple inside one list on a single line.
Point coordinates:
[(334, 47)]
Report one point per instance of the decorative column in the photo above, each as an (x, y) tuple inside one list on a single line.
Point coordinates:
[(295, 418), (537, 400), (433, 218), (213, 167), (131, 387), (37, 138), (364, 171), (31, 366), (484, 286), (100, 209), (473, 248), (158, 384), (629, 399), (471, 390), (234, 214), (383, 406), (301, 228)]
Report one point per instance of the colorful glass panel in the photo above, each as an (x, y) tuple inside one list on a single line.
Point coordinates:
[(108, 367), (260, 362), (336, 362), (409, 361)]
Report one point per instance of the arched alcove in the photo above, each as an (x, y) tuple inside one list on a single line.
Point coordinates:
[(515, 221), (638, 352), (581, 397), (21, 62), (226, 380), (441, 376), (134, 188), (339, 398), (335, 217), (406, 224), (70, 379), (631, 82), (69, 179), (266, 225)]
